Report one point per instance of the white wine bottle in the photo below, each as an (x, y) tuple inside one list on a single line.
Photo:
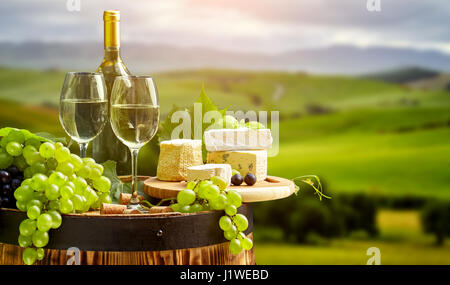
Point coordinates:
[(106, 146)]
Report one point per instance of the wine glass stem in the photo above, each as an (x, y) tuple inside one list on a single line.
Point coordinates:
[(83, 148), (134, 179)]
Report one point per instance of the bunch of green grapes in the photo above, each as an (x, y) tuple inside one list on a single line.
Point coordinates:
[(56, 181), (212, 195)]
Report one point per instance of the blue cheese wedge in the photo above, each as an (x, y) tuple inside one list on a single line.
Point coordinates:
[(206, 171), (244, 161), (176, 156), (238, 139)]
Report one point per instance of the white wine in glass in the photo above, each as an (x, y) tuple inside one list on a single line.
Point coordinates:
[(134, 116), (83, 107)]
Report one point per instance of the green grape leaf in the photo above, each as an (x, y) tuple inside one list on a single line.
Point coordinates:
[(28, 135), (51, 137), (167, 126), (117, 186), (109, 170)]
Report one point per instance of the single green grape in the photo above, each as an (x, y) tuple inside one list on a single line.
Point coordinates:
[(95, 173), (28, 150), (66, 191), (190, 185), (20, 162), (58, 145), (186, 197), (5, 160), (185, 209), (91, 195), (176, 207), (212, 192), (196, 207), (47, 150), (102, 184), (33, 212), (40, 253), (231, 233), (219, 181), (78, 202), (105, 198), (23, 193), (225, 223), (14, 148), (88, 160), (234, 198), (57, 178), (235, 246), (44, 222), (39, 167), (52, 192), (62, 154), (84, 171), (28, 172), (54, 205), (51, 164), (38, 182), (40, 238), (220, 202), (33, 158), (24, 241), (76, 161), (27, 227), (247, 243), (80, 185), (21, 205), (241, 222), (230, 210), (34, 202), (29, 256), (65, 168), (65, 206)]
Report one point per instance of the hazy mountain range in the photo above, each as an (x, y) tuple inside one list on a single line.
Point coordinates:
[(141, 58)]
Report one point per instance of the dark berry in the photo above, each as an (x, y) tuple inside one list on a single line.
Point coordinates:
[(5, 201), (250, 179), (13, 171), (6, 188), (5, 177), (15, 183), (237, 179)]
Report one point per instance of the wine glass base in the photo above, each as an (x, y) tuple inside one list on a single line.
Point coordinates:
[(136, 209)]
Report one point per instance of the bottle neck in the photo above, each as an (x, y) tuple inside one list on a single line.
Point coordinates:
[(112, 53)]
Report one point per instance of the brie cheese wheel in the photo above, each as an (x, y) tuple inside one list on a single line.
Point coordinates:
[(206, 171), (237, 139), (176, 156), (244, 161)]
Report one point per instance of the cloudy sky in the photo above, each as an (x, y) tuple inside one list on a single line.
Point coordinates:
[(269, 26)]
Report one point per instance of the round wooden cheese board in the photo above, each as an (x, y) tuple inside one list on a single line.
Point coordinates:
[(272, 188)]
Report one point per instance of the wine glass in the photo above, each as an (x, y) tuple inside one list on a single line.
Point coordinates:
[(83, 107), (134, 115)]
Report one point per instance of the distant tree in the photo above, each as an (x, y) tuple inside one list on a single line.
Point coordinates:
[(436, 220)]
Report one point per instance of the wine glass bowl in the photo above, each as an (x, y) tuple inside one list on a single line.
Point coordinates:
[(134, 117), (83, 107)]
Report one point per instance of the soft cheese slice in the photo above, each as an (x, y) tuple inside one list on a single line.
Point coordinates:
[(238, 139), (176, 156), (206, 171), (244, 161)]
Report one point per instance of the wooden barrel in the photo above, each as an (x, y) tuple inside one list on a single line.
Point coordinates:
[(94, 239)]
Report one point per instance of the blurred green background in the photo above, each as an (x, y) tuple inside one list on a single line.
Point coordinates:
[(382, 150), (364, 102)]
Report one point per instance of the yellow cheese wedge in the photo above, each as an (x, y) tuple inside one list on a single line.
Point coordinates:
[(244, 161), (176, 156)]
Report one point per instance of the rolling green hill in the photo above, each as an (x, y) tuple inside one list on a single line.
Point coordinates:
[(357, 134)]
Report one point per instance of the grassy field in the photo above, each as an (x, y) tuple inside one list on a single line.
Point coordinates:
[(370, 136), (401, 242)]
